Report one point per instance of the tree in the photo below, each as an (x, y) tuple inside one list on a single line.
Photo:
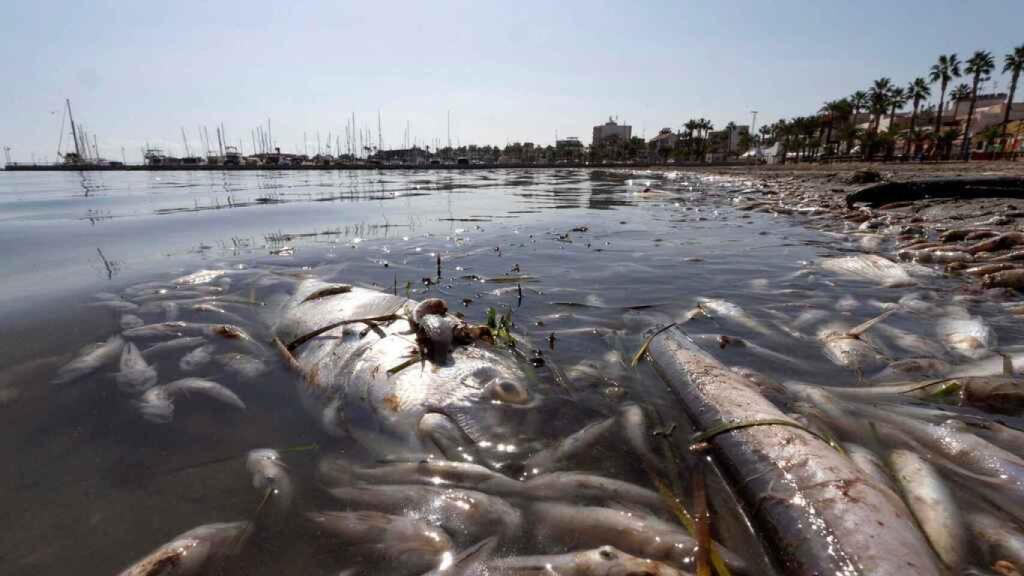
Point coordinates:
[(897, 100), (917, 91), (878, 100), (833, 111), (859, 101), (961, 93), (947, 68), (1012, 63), (979, 67)]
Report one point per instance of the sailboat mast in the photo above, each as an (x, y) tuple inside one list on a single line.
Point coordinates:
[(74, 131)]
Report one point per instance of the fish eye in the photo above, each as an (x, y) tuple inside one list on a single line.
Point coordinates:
[(606, 553), (506, 391)]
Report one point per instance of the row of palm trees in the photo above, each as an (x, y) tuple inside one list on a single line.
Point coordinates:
[(885, 98)]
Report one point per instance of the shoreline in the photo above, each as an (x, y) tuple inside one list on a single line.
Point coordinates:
[(979, 241)]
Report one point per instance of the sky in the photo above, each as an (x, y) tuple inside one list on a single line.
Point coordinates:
[(139, 72)]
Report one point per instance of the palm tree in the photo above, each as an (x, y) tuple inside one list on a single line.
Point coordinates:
[(859, 101), (960, 93), (917, 91), (947, 68), (1012, 63), (878, 98), (834, 110), (897, 100), (979, 66)]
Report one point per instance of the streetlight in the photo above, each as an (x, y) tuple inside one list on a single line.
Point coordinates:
[(753, 134)]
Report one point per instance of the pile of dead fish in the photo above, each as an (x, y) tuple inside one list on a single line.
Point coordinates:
[(434, 512), (177, 328)]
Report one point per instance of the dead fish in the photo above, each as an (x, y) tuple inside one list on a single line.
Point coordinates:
[(178, 329), (90, 359), (218, 311), (115, 305), (242, 365), (270, 477), (997, 539), (196, 358), (870, 267), (1012, 256), (968, 337), (958, 234), (942, 256), (131, 321), (173, 345), (560, 525), (135, 376), (998, 394), (198, 551), (467, 515), (590, 488), (911, 343), (157, 403), (199, 277), (744, 347), (1001, 242), (606, 560), (913, 368), (871, 465), (630, 424), (407, 545), (846, 347), (170, 310), (1004, 279), (932, 503), (719, 308), (336, 471), (986, 269)]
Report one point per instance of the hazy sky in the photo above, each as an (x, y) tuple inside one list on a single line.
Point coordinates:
[(508, 71)]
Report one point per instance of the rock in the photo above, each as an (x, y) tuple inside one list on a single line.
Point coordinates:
[(867, 176)]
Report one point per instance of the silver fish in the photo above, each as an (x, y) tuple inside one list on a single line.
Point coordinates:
[(157, 403), (406, 545), (933, 505), (199, 277), (195, 552), (606, 561), (370, 383), (556, 524), (135, 376), (172, 345), (337, 471), (196, 358), (242, 365), (466, 515), (727, 310), (90, 359), (970, 337), (870, 267), (270, 477)]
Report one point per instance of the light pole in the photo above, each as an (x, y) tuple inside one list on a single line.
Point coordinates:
[(753, 134)]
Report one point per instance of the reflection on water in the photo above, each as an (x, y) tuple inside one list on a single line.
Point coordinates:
[(586, 263)]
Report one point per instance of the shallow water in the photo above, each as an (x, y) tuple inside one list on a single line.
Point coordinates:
[(601, 258)]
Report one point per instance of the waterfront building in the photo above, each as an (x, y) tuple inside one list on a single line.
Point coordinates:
[(611, 132)]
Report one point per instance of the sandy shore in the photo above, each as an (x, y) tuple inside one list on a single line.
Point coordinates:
[(980, 240)]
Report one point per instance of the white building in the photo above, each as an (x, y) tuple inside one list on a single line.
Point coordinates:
[(611, 130)]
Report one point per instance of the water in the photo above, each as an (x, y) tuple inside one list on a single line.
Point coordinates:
[(602, 258)]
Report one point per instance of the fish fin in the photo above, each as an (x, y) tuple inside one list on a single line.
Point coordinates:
[(856, 331)]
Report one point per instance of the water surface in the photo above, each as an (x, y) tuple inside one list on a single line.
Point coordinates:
[(601, 258)]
